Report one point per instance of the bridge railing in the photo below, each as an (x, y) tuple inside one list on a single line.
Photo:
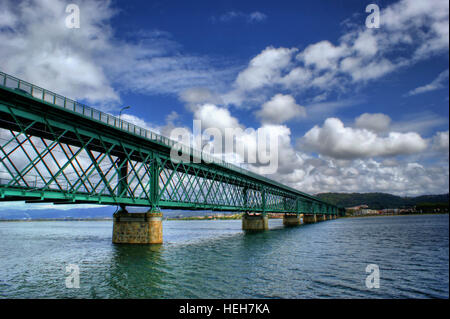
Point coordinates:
[(37, 92)]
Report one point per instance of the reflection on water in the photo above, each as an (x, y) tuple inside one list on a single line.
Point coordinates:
[(215, 259)]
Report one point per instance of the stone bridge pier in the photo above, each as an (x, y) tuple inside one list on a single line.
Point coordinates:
[(137, 228), (292, 219), (309, 218), (255, 222)]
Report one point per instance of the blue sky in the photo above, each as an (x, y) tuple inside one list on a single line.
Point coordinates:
[(207, 29), (356, 109)]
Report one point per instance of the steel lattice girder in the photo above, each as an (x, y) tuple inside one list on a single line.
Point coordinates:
[(49, 154)]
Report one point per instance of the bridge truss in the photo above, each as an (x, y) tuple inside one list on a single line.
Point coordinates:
[(53, 149)]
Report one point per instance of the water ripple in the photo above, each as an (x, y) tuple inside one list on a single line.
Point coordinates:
[(215, 259)]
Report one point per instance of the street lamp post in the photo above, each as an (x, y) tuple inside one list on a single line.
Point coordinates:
[(120, 114)]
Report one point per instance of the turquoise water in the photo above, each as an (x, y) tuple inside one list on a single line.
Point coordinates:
[(215, 259)]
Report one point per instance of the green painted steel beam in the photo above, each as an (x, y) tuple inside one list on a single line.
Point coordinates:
[(105, 164)]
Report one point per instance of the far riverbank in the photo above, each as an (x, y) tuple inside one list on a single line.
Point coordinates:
[(208, 217)]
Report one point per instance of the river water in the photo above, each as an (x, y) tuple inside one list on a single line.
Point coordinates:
[(215, 259)]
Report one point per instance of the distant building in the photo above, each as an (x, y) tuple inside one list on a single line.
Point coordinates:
[(367, 211), (361, 210), (391, 211), (356, 208)]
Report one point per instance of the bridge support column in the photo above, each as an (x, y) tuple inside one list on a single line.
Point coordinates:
[(309, 219), (321, 217), (255, 222), (137, 228), (291, 220)]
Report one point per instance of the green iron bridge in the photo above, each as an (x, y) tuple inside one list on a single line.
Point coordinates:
[(56, 150)]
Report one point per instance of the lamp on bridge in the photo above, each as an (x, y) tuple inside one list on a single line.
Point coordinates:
[(120, 114), (122, 109), (122, 206)]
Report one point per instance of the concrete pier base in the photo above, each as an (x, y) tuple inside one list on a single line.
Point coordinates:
[(137, 228), (321, 217), (255, 222), (292, 220), (309, 219)]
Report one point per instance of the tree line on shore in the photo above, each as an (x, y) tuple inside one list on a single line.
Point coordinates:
[(385, 201)]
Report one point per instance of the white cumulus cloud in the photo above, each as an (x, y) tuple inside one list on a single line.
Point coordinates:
[(265, 68), (377, 122), (281, 108), (92, 63), (440, 142), (335, 140), (411, 31)]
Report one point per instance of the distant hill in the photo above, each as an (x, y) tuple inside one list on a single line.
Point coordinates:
[(380, 200)]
